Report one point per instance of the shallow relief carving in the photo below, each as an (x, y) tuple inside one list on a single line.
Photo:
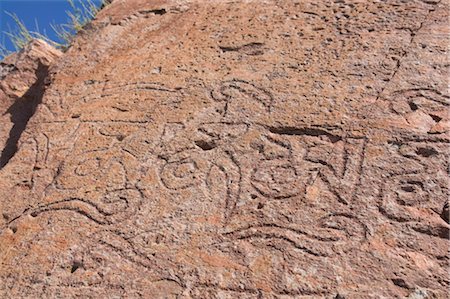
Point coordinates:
[(424, 109), (291, 188), (415, 186), (301, 181), (306, 174), (243, 96), (95, 178), (227, 162)]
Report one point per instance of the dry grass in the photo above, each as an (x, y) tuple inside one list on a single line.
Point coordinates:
[(78, 17)]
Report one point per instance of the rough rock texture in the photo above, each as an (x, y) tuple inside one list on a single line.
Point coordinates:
[(265, 149), (23, 77)]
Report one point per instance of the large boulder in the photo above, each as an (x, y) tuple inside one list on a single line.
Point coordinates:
[(236, 149)]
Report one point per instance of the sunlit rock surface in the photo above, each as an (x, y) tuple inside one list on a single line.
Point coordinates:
[(232, 149)]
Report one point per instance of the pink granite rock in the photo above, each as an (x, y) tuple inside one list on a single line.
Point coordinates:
[(236, 149)]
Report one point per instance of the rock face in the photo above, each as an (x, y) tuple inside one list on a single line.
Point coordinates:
[(244, 149), (23, 78)]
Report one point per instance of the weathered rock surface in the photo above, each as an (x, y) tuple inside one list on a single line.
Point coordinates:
[(23, 78), (245, 149)]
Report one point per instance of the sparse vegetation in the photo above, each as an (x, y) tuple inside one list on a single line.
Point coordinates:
[(78, 17)]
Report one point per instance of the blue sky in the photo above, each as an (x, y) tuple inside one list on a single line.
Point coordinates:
[(32, 12)]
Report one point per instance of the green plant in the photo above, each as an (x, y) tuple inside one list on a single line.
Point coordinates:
[(21, 36), (78, 17), (3, 51)]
